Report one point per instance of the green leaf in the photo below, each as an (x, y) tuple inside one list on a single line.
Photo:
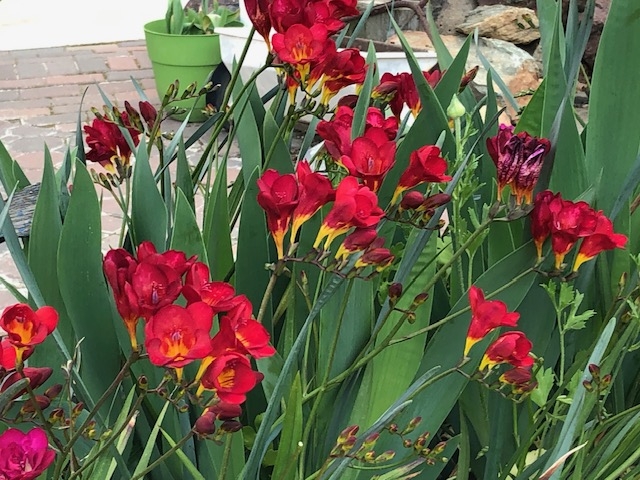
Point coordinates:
[(545, 379), (275, 146), (359, 114), (8, 394), (288, 448), (11, 175), (216, 232), (89, 307), (246, 132), (188, 464), (186, 233), (148, 448), (614, 111), (148, 210), (183, 176)]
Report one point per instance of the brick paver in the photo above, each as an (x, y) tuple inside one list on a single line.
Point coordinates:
[(40, 99)]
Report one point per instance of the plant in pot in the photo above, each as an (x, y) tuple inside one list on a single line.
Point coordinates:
[(184, 47)]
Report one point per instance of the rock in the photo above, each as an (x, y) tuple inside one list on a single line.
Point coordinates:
[(512, 24), (417, 39), (599, 17), (449, 13)]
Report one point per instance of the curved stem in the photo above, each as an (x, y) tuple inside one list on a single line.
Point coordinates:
[(165, 455), (267, 294)]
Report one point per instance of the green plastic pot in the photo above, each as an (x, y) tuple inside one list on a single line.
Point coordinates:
[(186, 58)]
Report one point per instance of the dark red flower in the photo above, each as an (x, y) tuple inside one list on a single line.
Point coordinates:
[(107, 145), (24, 456), (343, 68), (376, 255), (278, 197), (175, 335), (541, 218), (336, 132), (486, 315), (174, 259), (301, 46), (258, 12), (356, 241), (603, 238), (371, 157), (355, 206), (510, 347), (155, 286), (520, 379), (425, 165), (26, 328), (315, 191), (570, 222), (36, 375), (518, 159)]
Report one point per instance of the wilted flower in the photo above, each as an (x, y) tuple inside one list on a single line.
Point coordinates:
[(278, 197), (486, 315), (518, 159), (24, 456), (510, 347), (26, 328)]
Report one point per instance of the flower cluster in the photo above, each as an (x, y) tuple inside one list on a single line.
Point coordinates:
[(567, 222), (24, 456), (302, 42), (518, 159), (174, 336), (511, 347)]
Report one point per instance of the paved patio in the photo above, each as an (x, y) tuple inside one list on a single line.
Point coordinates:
[(40, 98)]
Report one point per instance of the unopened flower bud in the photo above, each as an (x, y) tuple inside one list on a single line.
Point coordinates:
[(393, 428), (56, 415), (205, 425), (439, 448), (456, 108), (53, 391), (184, 408), (606, 380), (411, 426), (406, 443), (231, 426), (594, 370), (369, 457), (143, 382), (370, 441), (411, 200), (347, 433), (395, 291), (385, 456), (77, 409), (29, 407), (419, 299)]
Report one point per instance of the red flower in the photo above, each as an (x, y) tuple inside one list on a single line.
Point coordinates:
[(510, 347), (156, 286), (356, 241), (486, 315), (300, 46), (231, 377), (570, 221), (341, 69), (518, 159), (8, 354), (336, 132), (175, 335), (315, 191), (355, 206), (250, 335), (26, 328), (278, 197), (172, 258), (258, 12), (541, 218), (376, 119), (107, 144), (119, 267), (148, 113), (371, 157), (425, 165), (376, 255), (603, 238), (286, 13), (520, 379), (24, 456)]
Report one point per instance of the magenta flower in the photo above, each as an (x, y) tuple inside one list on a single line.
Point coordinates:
[(24, 456)]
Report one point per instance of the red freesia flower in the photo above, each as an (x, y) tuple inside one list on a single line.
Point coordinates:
[(603, 238), (315, 190), (286, 13), (570, 221), (486, 315), (148, 113), (425, 165), (24, 456), (26, 328), (119, 267), (231, 377), (258, 12), (518, 159), (355, 206), (172, 258), (376, 119), (343, 68), (250, 336), (8, 354), (107, 144), (175, 335), (197, 277), (372, 156), (356, 241), (278, 197), (520, 379), (510, 347), (541, 218), (155, 286), (301, 46)]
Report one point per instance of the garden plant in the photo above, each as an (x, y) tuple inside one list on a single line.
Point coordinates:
[(427, 293)]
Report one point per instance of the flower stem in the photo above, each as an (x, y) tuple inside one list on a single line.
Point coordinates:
[(267, 293), (165, 455), (226, 455)]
